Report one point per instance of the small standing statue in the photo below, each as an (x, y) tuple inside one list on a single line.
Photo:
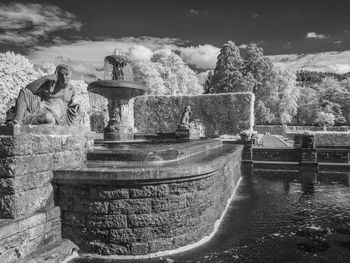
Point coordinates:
[(49, 100), (187, 129), (185, 120)]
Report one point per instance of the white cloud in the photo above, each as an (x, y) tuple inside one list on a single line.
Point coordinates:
[(86, 56), (202, 56), (140, 53), (339, 68), (26, 23), (315, 35), (338, 62)]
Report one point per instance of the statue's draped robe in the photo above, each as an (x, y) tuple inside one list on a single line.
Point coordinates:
[(58, 104)]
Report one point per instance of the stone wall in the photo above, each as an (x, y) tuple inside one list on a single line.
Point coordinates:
[(28, 154), (156, 212), (24, 236), (227, 113)]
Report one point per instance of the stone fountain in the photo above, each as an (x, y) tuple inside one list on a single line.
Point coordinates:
[(118, 87)]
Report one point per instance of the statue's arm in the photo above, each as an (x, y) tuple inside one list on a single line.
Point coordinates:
[(72, 102), (37, 85)]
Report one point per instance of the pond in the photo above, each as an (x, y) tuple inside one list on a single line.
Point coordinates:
[(281, 218)]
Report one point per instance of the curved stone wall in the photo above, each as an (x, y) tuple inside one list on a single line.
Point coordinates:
[(144, 211)]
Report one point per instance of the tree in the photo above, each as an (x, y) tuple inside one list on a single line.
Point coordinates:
[(167, 74), (333, 98), (325, 119), (240, 69), (288, 93), (308, 108)]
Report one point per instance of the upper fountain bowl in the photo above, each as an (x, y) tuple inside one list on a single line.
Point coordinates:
[(121, 89)]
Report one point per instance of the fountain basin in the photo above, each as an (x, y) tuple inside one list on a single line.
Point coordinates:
[(119, 89), (144, 209), (118, 93)]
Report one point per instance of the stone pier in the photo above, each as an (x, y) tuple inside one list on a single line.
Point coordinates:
[(29, 219)]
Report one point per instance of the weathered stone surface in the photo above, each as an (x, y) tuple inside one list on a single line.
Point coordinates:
[(143, 219), (139, 248), (102, 192), (21, 237), (227, 113), (130, 206), (25, 182), (29, 144), (106, 221), (149, 191), (26, 203), (21, 165)]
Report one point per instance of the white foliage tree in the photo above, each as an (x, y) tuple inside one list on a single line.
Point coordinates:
[(167, 74)]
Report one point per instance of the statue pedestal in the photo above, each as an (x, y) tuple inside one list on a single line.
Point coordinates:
[(28, 157), (191, 133), (120, 133)]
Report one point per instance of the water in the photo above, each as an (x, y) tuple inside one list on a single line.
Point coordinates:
[(281, 218)]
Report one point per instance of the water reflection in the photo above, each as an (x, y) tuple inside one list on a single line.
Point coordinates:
[(285, 217)]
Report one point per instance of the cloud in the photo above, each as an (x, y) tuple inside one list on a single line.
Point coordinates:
[(202, 56), (338, 42), (315, 35), (337, 62), (339, 68), (25, 24), (194, 11), (140, 53), (86, 56)]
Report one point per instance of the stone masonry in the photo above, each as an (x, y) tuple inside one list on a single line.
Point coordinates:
[(140, 218), (28, 154)]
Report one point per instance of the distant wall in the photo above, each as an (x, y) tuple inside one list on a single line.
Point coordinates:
[(272, 129), (226, 113), (282, 130)]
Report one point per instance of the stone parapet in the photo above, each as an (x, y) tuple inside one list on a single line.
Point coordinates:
[(28, 154), (23, 236), (138, 211)]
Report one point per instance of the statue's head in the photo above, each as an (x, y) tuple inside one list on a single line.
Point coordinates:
[(64, 73), (188, 108)]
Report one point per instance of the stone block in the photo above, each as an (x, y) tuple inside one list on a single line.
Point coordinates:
[(161, 245), (149, 191), (21, 165), (26, 203), (106, 221), (25, 182), (102, 192), (139, 248), (107, 249), (130, 206), (169, 203)]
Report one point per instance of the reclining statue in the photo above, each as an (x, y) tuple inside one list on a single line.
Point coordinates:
[(49, 100)]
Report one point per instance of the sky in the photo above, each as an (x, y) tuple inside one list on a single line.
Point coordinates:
[(306, 34)]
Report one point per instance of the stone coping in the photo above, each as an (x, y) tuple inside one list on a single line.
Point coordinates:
[(10, 227), (151, 151), (124, 173), (43, 130)]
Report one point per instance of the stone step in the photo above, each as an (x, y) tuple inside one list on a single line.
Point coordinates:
[(150, 151)]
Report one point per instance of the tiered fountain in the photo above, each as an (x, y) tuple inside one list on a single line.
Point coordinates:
[(136, 199), (118, 87)]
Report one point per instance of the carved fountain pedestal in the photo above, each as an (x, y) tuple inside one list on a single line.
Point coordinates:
[(118, 87), (118, 93)]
